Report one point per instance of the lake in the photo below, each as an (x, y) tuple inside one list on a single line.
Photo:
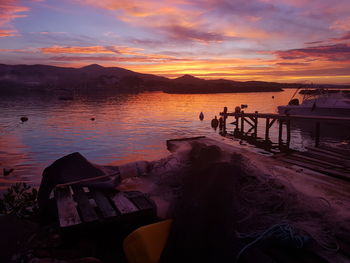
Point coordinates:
[(126, 127)]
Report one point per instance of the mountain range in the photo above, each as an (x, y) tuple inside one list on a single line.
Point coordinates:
[(92, 79)]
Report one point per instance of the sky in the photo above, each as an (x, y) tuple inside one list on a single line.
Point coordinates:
[(263, 40)]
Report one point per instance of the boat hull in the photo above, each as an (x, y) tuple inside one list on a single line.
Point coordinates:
[(310, 111)]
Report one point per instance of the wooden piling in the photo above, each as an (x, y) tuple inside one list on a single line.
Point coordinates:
[(267, 129), (242, 122), (280, 130), (225, 117), (288, 133), (255, 134)]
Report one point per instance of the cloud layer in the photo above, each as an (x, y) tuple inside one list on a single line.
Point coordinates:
[(285, 40)]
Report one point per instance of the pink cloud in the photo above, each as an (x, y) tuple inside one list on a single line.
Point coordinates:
[(10, 10), (7, 33)]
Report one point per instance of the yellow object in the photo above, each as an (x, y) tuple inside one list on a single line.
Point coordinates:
[(145, 244)]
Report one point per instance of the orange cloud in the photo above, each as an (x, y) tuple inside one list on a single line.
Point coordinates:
[(92, 50), (7, 33)]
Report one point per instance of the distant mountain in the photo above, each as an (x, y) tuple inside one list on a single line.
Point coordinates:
[(19, 79), (96, 79), (191, 84)]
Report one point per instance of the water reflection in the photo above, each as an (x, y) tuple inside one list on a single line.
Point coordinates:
[(125, 128)]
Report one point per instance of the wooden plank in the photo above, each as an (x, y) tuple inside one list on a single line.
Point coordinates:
[(324, 157), (87, 180), (328, 152), (331, 172), (67, 212), (143, 203), (345, 152), (291, 117), (317, 160), (123, 204), (326, 166), (103, 204), (86, 210)]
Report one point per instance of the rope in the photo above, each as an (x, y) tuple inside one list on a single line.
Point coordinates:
[(283, 232)]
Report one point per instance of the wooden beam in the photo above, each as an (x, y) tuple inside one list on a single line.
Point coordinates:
[(86, 210), (284, 117), (103, 204), (272, 122), (67, 211), (123, 204)]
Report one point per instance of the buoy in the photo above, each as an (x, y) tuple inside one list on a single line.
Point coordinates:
[(24, 119), (201, 116), (244, 106), (273, 97), (92, 119), (215, 123)]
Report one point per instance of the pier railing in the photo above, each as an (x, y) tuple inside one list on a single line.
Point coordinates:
[(252, 120)]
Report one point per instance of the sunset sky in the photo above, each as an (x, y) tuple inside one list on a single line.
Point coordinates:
[(268, 40)]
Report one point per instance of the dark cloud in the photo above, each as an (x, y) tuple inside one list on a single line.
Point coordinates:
[(182, 33), (292, 64), (337, 52)]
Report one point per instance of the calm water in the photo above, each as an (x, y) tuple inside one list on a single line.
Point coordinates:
[(126, 127)]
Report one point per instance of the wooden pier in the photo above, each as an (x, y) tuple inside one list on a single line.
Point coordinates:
[(318, 158), (250, 133)]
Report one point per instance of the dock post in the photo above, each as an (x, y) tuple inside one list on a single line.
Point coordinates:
[(317, 134), (225, 117), (288, 133), (256, 125), (242, 122), (280, 129), (267, 129)]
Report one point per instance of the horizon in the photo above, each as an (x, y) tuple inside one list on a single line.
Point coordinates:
[(289, 41)]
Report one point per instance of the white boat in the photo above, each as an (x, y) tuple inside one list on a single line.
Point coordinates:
[(321, 103)]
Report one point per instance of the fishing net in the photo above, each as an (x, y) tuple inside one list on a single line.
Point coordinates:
[(259, 206)]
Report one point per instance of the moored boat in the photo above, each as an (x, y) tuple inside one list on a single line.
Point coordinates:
[(323, 103)]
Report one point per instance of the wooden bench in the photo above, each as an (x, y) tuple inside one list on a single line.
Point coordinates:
[(79, 205)]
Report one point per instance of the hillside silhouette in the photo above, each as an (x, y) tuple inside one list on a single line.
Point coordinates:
[(93, 79)]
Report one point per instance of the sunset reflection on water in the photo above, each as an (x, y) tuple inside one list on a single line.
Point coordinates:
[(127, 127)]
